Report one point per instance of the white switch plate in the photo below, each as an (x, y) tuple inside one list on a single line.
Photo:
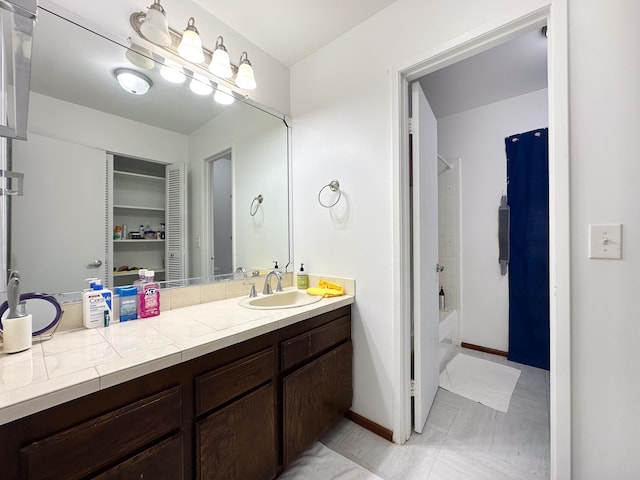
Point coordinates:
[(605, 241)]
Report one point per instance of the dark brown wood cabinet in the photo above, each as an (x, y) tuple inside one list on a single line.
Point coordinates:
[(243, 412), (317, 388)]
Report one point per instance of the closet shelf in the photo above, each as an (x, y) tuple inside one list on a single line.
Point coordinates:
[(134, 207), (139, 176)]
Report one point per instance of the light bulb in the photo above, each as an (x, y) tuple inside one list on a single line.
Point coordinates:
[(155, 27), (245, 78), (220, 64), (172, 72), (200, 85), (190, 47), (223, 95)]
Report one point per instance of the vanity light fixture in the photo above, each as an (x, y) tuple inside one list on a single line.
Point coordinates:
[(190, 47), (200, 85), (244, 77), (220, 65), (187, 48), (155, 27), (132, 81), (223, 95), (172, 72)]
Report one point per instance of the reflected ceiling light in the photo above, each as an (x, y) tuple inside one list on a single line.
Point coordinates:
[(220, 65), (244, 77), (132, 81), (223, 95), (200, 85), (155, 27), (190, 47), (172, 72), (140, 57)]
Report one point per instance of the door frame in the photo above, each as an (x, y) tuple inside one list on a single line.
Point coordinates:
[(555, 16), (207, 208)]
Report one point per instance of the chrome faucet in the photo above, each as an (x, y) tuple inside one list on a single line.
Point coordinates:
[(267, 282)]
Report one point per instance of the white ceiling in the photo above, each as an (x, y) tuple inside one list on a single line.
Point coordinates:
[(289, 30), (513, 68)]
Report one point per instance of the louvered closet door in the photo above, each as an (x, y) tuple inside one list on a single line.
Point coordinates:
[(175, 222)]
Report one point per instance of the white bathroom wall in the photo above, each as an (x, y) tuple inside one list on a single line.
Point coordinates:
[(341, 106), (85, 126), (477, 137), (605, 175), (259, 150)]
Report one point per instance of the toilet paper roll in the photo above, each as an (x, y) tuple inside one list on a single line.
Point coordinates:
[(16, 334)]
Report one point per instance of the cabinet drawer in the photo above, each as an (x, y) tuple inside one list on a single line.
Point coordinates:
[(308, 344), (94, 444), (230, 381), (163, 460)]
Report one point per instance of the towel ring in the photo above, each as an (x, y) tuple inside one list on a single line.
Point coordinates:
[(334, 186), (255, 203)]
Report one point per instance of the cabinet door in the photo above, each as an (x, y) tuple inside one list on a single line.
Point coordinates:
[(314, 398), (238, 442), (163, 460), (66, 235), (176, 226)]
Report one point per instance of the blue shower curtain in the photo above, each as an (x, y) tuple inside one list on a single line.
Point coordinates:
[(528, 197)]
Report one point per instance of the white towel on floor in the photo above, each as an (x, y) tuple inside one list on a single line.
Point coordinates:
[(480, 380), (321, 463)]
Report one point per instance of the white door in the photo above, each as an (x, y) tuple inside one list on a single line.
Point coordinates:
[(222, 221), (176, 222), (58, 227), (425, 254)]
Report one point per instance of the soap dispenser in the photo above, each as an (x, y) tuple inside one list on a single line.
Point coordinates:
[(303, 278)]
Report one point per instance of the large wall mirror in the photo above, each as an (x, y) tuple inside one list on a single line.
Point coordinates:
[(98, 158)]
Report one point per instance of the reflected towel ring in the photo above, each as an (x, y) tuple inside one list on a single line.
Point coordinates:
[(256, 202), (334, 186)]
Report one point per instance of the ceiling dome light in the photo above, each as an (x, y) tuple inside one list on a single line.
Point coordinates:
[(190, 47), (220, 64), (172, 72), (223, 95), (140, 57), (155, 27), (200, 85), (132, 81), (245, 78)]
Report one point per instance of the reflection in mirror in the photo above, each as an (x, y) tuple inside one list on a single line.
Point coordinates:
[(97, 164)]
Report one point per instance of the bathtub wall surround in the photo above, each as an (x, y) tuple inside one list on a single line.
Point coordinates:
[(172, 298), (449, 232)]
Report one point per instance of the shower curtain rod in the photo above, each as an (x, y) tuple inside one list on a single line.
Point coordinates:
[(449, 165)]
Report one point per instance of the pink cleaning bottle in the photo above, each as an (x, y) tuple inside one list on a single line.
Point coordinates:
[(149, 297)]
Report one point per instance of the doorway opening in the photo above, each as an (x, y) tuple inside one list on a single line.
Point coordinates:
[(220, 217), (559, 217)]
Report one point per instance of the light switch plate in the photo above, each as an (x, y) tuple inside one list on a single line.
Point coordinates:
[(605, 241)]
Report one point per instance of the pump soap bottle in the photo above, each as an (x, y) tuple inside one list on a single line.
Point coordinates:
[(303, 278), (16, 328)]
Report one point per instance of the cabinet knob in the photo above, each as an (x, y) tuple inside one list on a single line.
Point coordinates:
[(95, 264)]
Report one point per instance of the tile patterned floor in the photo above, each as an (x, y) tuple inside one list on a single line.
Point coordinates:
[(463, 440)]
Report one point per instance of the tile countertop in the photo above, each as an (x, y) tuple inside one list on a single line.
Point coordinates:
[(83, 361)]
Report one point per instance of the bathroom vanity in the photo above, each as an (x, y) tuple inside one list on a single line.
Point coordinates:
[(244, 411)]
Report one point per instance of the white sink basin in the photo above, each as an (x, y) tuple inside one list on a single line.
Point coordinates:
[(286, 299)]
